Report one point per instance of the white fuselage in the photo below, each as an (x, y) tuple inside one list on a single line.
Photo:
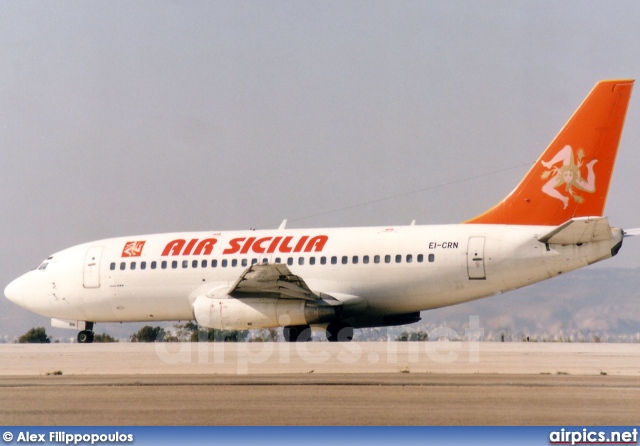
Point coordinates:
[(385, 270)]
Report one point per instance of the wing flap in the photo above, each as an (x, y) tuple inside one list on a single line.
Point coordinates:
[(579, 230), (271, 280)]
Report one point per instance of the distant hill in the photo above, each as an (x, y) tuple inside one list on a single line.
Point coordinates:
[(586, 305)]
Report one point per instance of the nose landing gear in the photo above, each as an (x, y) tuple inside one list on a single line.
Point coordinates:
[(86, 336)]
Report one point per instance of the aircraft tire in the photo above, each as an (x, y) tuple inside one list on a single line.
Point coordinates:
[(85, 337), (339, 332), (297, 333)]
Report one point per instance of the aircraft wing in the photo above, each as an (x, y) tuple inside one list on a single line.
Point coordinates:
[(579, 230), (271, 280)]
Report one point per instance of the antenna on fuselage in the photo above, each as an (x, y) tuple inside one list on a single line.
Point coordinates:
[(282, 225)]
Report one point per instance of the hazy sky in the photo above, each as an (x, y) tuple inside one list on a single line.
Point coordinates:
[(125, 117)]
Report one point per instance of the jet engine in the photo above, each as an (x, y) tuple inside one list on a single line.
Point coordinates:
[(246, 313)]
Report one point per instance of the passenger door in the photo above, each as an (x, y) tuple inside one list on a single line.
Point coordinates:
[(91, 273)]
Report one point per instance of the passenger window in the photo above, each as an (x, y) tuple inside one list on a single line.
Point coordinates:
[(164, 264), (265, 260), (355, 260), (300, 260), (278, 260), (334, 260), (143, 265), (376, 259), (153, 265), (204, 263), (290, 261), (123, 266), (214, 263), (432, 257), (194, 264), (323, 260), (398, 258), (345, 259), (365, 259), (234, 263), (185, 264), (245, 262), (133, 265), (387, 259), (312, 260), (409, 258), (420, 258), (224, 263), (112, 267), (254, 261), (174, 264)]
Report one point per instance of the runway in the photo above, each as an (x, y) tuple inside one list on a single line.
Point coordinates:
[(320, 384), (320, 357), (374, 399)]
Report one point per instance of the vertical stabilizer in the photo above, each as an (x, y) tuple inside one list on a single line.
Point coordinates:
[(571, 178)]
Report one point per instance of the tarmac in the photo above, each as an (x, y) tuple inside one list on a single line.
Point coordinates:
[(320, 357), (319, 383)]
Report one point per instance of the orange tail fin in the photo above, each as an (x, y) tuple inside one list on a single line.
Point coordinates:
[(571, 178)]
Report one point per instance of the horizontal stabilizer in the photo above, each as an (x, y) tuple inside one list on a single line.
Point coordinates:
[(631, 232), (579, 230)]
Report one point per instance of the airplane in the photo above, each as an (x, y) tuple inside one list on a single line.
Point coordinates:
[(341, 279)]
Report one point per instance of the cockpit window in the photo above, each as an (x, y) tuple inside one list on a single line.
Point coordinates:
[(44, 264)]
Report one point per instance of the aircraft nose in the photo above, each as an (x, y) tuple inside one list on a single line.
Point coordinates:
[(14, 292)]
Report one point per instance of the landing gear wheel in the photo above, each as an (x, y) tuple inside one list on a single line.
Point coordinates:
[(339, 332), (297, 333), (85, 337)]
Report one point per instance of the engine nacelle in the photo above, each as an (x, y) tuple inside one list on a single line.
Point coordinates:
[(243, 314)]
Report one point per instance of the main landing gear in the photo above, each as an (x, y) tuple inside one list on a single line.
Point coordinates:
[(297, 333), (336, 332), (86, 336), (339, 332)]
